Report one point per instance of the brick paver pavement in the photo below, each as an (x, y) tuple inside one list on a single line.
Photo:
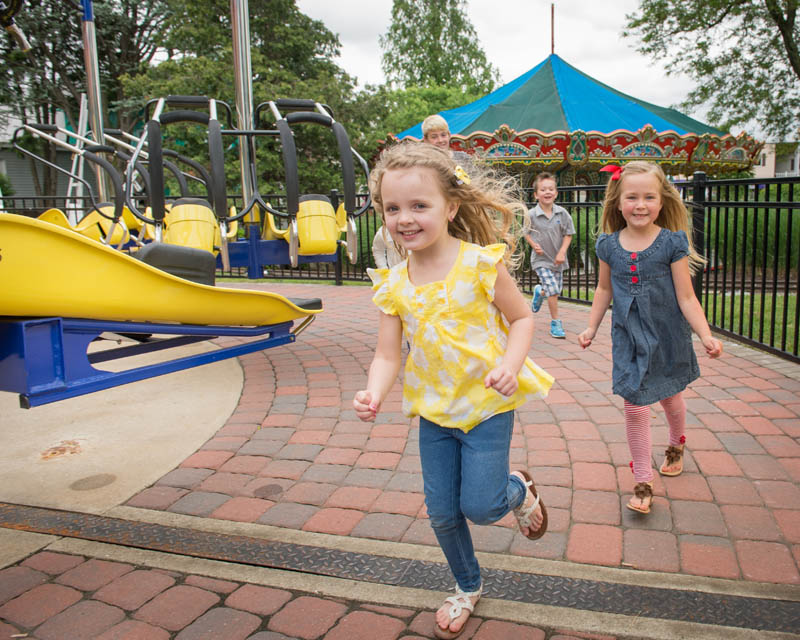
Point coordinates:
[(157, 604), (294, 455)]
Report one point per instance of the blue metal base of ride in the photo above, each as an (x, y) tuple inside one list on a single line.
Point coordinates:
[(46, 359), (256, 254)]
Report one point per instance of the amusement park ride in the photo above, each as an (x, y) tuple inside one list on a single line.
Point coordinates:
[(140, 266)]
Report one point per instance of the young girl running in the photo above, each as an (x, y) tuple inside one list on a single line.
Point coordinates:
[(470, 330), (645, 254)]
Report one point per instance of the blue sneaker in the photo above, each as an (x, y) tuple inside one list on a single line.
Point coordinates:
[(557, 329), (537, 298)]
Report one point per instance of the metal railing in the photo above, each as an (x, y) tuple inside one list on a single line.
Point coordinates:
[(748, 229), (749, 232), (752, 244)]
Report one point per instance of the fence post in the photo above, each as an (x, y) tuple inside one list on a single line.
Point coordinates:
[(698, 225), (337, 266)]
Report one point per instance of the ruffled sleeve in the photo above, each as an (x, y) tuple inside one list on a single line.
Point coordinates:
[(488, 257), (383, 298), (602, 247), (678, 245)]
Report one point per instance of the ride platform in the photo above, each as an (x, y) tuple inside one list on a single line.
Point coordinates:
[(61, 291)]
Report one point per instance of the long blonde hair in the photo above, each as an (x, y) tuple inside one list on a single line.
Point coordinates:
[(489, 210), (673, 215)]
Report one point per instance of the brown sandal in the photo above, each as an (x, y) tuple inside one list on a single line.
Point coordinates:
[(523, 513), (642, 490), (674, 455)]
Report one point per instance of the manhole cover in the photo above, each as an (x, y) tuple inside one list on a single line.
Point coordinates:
[(268, 490), (93, 482)]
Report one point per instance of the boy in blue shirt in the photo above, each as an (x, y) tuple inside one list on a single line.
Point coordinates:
[(550, 236)]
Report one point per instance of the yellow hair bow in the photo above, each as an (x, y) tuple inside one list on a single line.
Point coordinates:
[(461, 175)]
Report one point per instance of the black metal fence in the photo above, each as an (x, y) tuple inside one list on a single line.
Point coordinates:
[(749, 231)]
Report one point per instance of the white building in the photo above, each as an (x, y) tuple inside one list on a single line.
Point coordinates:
[(774, 165)]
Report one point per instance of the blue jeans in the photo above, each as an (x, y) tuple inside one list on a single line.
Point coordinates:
[(466, 476)]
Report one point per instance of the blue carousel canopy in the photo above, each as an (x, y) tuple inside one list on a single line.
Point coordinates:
[(555, 96)]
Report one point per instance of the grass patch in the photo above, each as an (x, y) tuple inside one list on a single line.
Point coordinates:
[(752, 317), (746, 315)]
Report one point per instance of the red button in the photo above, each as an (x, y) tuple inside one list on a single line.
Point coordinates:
[(633, 267), (633, 256), (635, 279)]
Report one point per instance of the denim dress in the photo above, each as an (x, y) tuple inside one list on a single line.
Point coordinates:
[(652, 352)]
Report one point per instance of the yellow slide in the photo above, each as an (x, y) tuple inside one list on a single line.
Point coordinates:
[(46, 270)]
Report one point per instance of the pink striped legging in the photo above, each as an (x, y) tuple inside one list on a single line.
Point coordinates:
[(637, 428)]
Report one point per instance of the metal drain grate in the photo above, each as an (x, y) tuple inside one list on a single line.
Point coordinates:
[(608, 597)]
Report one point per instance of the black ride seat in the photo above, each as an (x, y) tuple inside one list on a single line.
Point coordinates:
[(184, 262), (307, 304)]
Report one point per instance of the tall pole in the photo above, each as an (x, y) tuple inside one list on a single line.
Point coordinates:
[(93, 91), (552, 28), (243, 83)]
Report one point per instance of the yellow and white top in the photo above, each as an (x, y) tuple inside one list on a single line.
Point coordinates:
[(457, 336)]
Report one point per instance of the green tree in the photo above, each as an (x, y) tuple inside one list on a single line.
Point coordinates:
[(743, 55), (291, 44), (433, 42), (291, 57), (6, 187), (53, 75), (378, 111)]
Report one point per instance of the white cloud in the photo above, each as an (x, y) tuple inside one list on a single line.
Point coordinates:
[(515, 34)]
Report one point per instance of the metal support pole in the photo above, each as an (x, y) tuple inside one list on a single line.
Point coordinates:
[(75, 187), (243, 83), (699, 225), (93, 91)]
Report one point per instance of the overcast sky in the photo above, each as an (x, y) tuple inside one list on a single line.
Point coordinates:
[(515, 34)]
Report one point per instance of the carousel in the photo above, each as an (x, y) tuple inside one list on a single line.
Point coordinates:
[(556, 118)]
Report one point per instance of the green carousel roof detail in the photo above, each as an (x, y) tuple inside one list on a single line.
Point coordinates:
[(556, 117)]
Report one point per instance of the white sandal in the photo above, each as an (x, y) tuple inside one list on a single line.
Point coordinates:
[(462, 600), (523, 513)]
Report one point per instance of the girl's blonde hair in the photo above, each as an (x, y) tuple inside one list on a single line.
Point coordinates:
[(489, 210), (673, 216)]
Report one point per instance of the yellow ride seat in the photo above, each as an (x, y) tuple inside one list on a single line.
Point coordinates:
[(341, 218), (55, 216), (96, 226), (233, 229), (131, 221), (93, 225), (317, 226), (149, 229), (191, 223)]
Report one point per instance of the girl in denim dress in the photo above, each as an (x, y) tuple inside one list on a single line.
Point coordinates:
[(646, 258)]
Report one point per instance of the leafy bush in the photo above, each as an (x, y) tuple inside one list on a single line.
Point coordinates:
[(5, 185)]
